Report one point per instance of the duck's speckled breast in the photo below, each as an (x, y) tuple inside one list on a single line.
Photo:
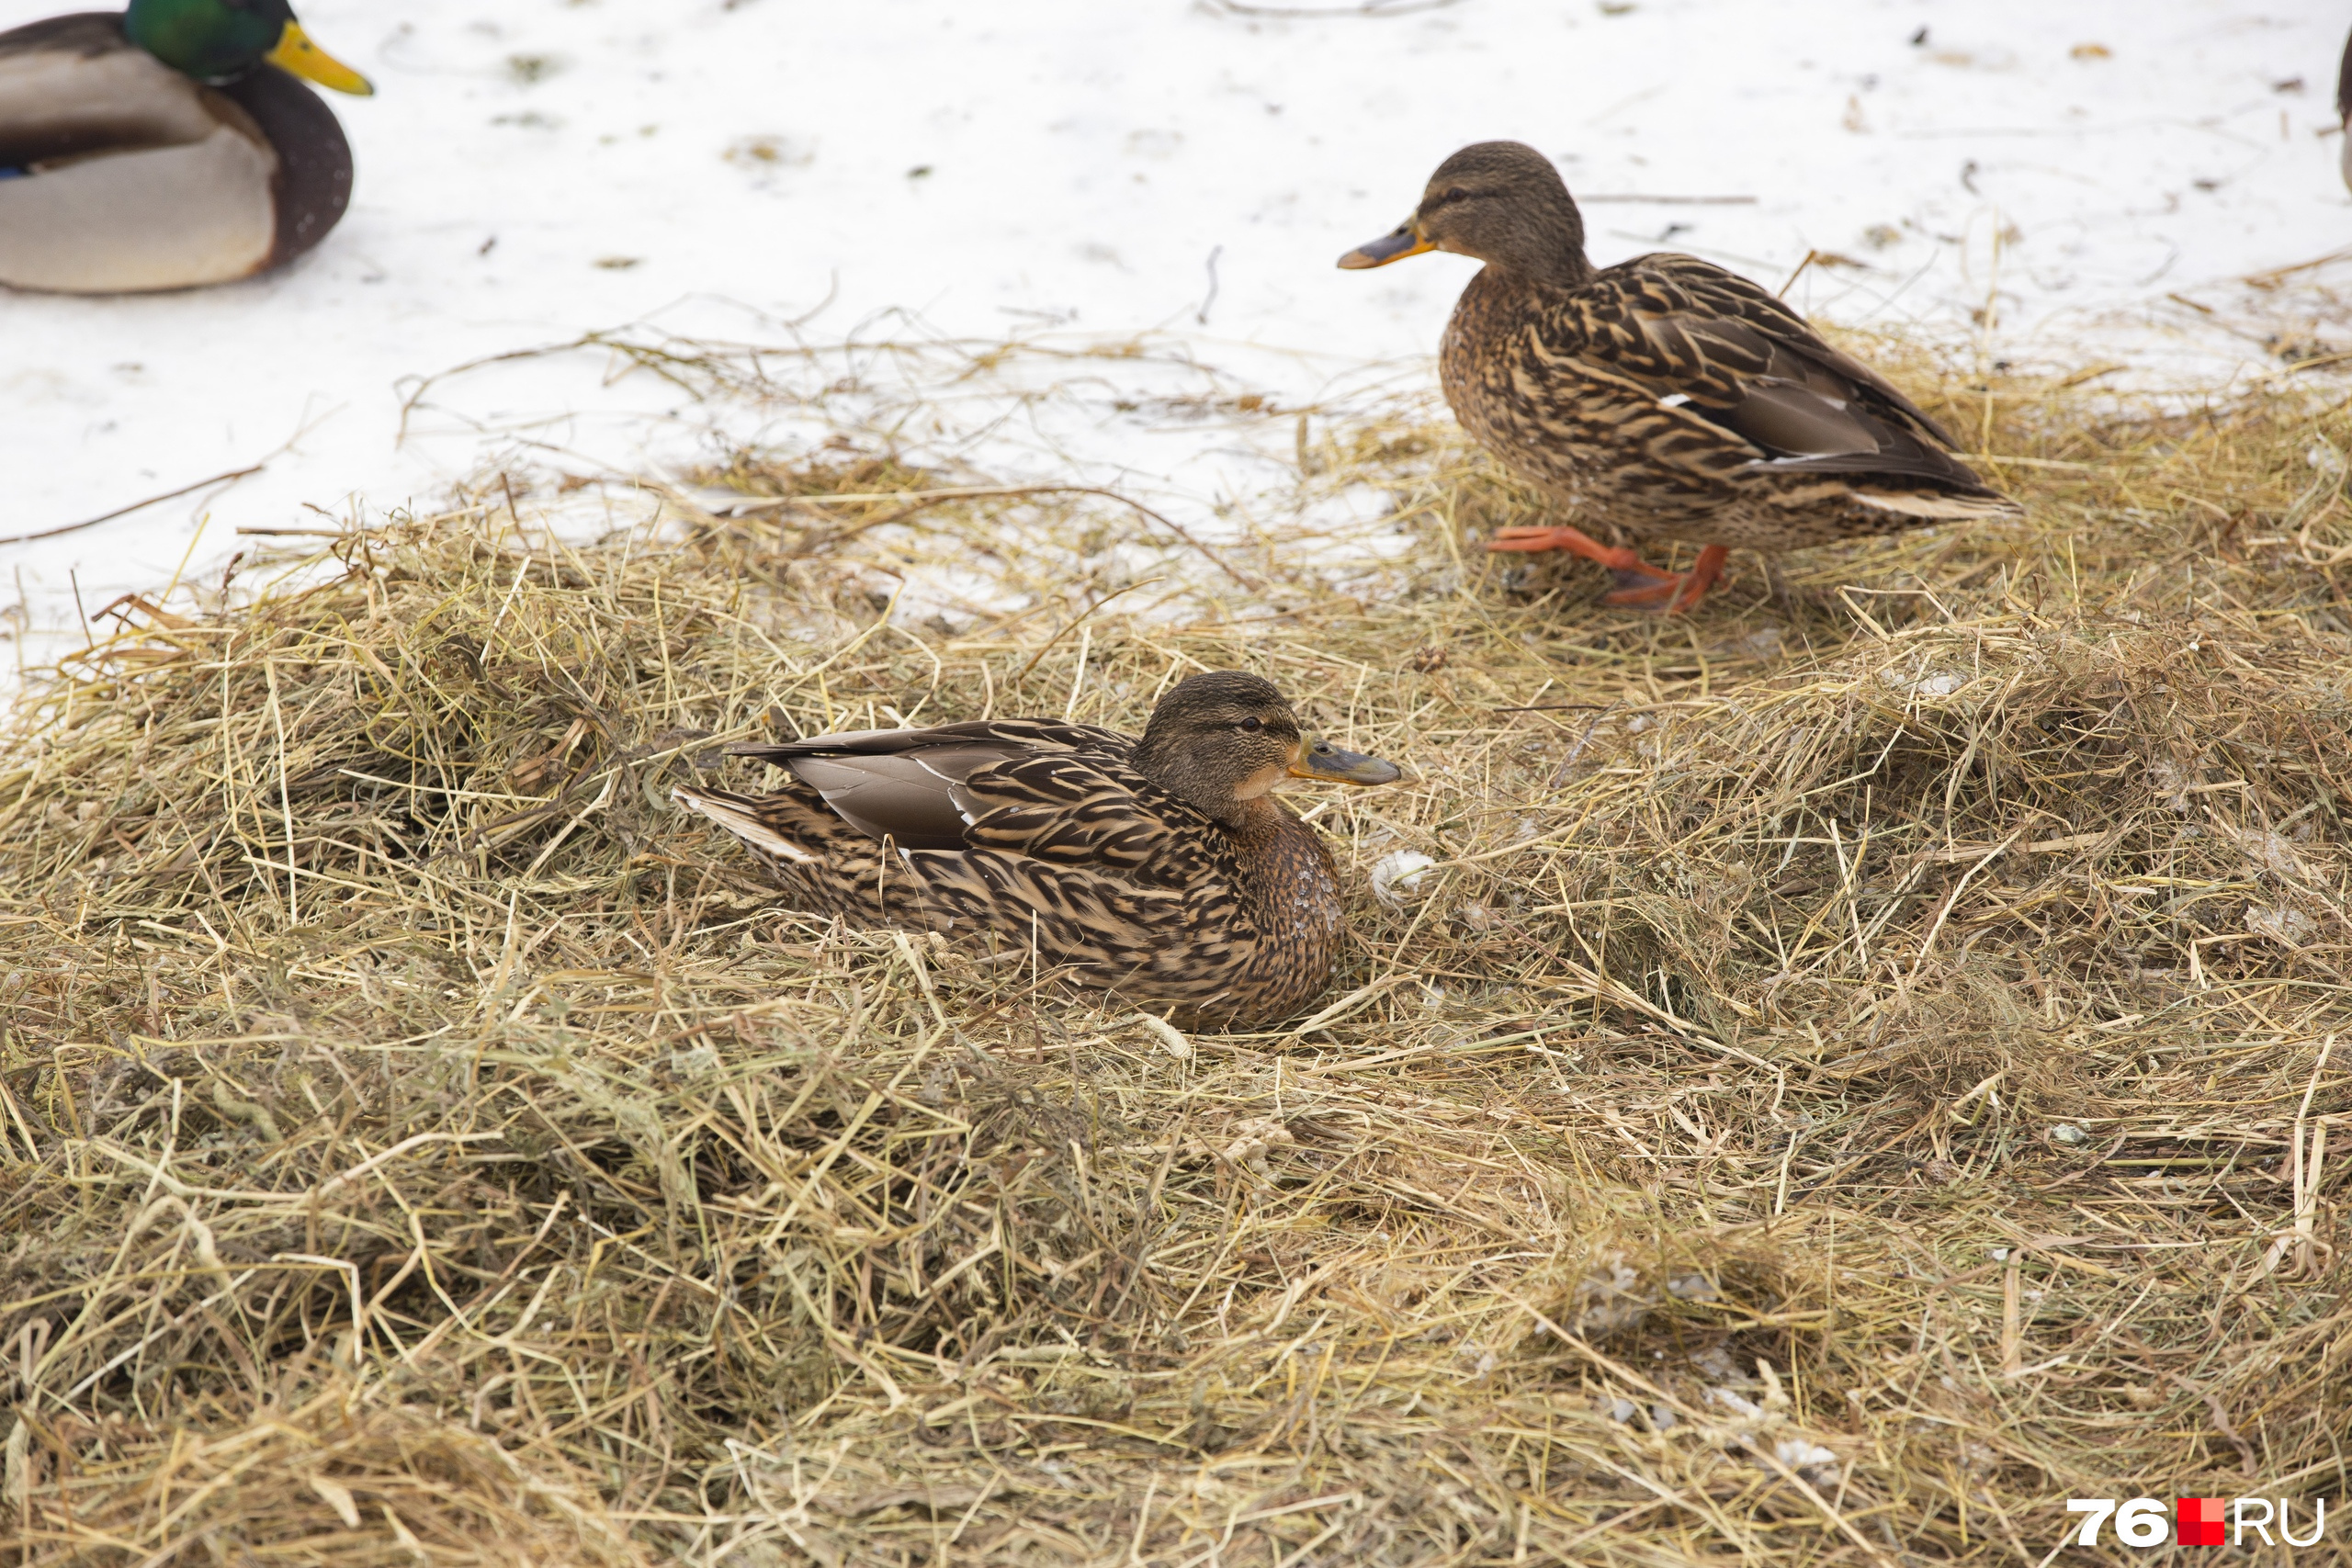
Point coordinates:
[(1293, 900), (1514, 385)]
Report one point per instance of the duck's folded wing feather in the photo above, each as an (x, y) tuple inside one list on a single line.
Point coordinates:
[(1721, 349), (1800, 427), (908, 784), (1759, 335), (1018, 732), (1060, 792), (910, 796)]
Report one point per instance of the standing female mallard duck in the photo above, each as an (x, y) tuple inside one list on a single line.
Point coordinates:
[(1666, 395), (1161, 867), (166, 146)]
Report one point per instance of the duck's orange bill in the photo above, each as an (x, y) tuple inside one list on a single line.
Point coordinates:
[(1405, 242), (296, 53)]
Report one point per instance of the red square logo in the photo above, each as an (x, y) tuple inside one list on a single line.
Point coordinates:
[(2197, 1522)]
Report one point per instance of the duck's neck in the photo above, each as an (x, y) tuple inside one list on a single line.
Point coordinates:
[(1544, 249), (1256, 827), (1541, 273)]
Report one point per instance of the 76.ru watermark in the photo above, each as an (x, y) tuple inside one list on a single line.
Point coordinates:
[(2195, 1521)]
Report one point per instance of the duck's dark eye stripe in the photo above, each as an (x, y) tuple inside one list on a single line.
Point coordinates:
[(1252, 725)]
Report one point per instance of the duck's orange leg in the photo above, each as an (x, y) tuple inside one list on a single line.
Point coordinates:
[(1638, 582)]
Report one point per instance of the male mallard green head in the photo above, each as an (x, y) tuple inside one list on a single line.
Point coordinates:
[(1221, 739), (1502, 202), (217, 41)]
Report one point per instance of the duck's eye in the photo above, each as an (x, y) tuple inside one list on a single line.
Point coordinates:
[(1452, 193), (1252, 726)]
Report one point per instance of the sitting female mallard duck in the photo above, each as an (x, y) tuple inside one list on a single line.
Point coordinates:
[(1162, 868), (166, 146), (1666, 395)]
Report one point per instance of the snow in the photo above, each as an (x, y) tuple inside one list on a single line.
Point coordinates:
[(1067, 172)]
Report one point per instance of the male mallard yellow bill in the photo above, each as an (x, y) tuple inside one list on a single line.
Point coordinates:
[(1160, 867), (1663, 394), (167, 146)]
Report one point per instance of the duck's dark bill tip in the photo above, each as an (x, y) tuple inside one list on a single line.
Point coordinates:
[(1330, 763), (1387, 248)]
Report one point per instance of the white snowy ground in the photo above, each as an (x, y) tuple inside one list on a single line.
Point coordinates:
[(786, 171)]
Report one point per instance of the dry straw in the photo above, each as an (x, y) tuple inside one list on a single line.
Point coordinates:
[(1858, 1074)]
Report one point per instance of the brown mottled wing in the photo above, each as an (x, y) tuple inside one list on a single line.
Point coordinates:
[(1020, 734), (1061, 794), (1027, 732), (910, 785), (1110, 879), (1076, 808), (1716, 347)]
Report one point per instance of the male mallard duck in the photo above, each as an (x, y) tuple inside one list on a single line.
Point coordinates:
[(2343, 106), (1665, 394), (1161, 867), (165, 146)]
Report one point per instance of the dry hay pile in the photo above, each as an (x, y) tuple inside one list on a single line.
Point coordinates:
[(1856, 1075)]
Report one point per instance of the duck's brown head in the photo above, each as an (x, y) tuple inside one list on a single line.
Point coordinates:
[(1222, 740), (1502, 202)]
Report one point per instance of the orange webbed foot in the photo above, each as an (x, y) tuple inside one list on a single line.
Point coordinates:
[(1648, 589), (1671, 592), (1639, 584)]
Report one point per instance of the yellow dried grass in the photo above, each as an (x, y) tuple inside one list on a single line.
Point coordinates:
[(418, 1142)]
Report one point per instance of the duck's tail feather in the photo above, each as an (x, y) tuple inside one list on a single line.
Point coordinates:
[(741, 816), (1944, 506)]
